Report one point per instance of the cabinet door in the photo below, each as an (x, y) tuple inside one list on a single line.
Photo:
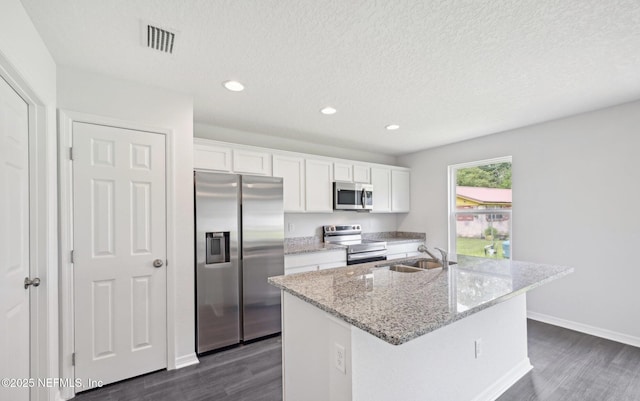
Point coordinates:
[(248, 162), (332, 265), (381, 181), (208, 157), (343, 172), (319, 194), (361, 174), (400, 191), (291, 169)]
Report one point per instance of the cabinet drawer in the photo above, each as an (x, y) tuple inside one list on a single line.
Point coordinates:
[(315, 258), (332, 265), (404, 250), (301, 269)]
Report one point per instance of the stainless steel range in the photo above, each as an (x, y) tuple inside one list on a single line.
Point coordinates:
[(358, 250)]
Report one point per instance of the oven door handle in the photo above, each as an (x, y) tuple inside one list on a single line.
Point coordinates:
[(366, 255)]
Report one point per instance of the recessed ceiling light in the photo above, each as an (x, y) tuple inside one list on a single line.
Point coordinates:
[(392, 127), (328, 110), (233, 86)]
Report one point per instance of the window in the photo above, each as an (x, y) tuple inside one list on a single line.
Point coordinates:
[(480, 207)]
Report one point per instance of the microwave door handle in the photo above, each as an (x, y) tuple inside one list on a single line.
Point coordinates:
[(362, 192)]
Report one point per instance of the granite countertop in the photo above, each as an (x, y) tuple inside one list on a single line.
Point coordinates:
[(298, 245), (395, 237), (398, 307)]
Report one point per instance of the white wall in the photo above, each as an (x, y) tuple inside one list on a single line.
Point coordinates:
[(310, 224), (24, 56), (256, 139), (109, 97), (573, 181)]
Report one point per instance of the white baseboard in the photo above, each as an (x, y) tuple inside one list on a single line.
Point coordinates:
[(585, 328), (186, 360), (510, 378)]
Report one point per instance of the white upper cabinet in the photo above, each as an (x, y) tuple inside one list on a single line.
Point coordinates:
[(319, 185), (381, 181), (230, 160), (291, 169), (391, 190), (249, 162), (343, 172), (351, 172), (212, 157), (400, 191), (361, 174), (308, 179)]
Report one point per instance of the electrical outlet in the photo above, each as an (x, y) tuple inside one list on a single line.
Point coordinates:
[(340, 358), (291, 227), (478, 347)]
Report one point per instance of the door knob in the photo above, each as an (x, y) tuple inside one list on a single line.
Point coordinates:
[(158, 263), (27, 282)]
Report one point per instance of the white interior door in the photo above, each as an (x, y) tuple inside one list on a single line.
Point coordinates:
[(119, 230), (14, 242)]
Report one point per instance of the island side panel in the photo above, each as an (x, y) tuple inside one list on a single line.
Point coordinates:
[(442, 365), (310, 338)]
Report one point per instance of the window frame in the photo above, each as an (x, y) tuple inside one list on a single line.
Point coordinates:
[(453, 212)]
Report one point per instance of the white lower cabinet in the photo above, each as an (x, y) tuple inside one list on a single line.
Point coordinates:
[(404, 250), (313, 261)]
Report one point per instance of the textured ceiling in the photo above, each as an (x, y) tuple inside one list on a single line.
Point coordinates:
[(443, 70)]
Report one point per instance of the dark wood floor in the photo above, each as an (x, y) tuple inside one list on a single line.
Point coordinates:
[(572, 366), (251, 372), (568, 366)]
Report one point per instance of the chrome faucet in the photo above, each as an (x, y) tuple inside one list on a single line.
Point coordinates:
[(444, 260)]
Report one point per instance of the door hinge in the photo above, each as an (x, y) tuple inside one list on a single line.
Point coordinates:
[(73, 359), (71, 257), (70, 153)]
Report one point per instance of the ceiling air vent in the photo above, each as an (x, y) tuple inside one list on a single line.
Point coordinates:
[(160, 39)]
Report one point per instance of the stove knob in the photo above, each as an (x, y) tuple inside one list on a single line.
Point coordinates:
[(357, 227)]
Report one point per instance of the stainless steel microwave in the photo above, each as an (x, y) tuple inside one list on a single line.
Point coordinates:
[(352, 196)]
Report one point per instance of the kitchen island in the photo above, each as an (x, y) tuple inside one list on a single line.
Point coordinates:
[(365, 332)]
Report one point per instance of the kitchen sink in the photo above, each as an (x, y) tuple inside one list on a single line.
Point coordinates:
[(425, 263), (401, 268)]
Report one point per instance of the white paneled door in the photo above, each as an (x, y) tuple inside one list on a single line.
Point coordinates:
[(14, 243), (119, 231)]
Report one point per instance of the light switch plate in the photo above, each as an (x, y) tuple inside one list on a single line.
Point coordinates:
[(340, 358), (478, 348)]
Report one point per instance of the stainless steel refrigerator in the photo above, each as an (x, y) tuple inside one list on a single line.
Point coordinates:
[(239, 228)]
